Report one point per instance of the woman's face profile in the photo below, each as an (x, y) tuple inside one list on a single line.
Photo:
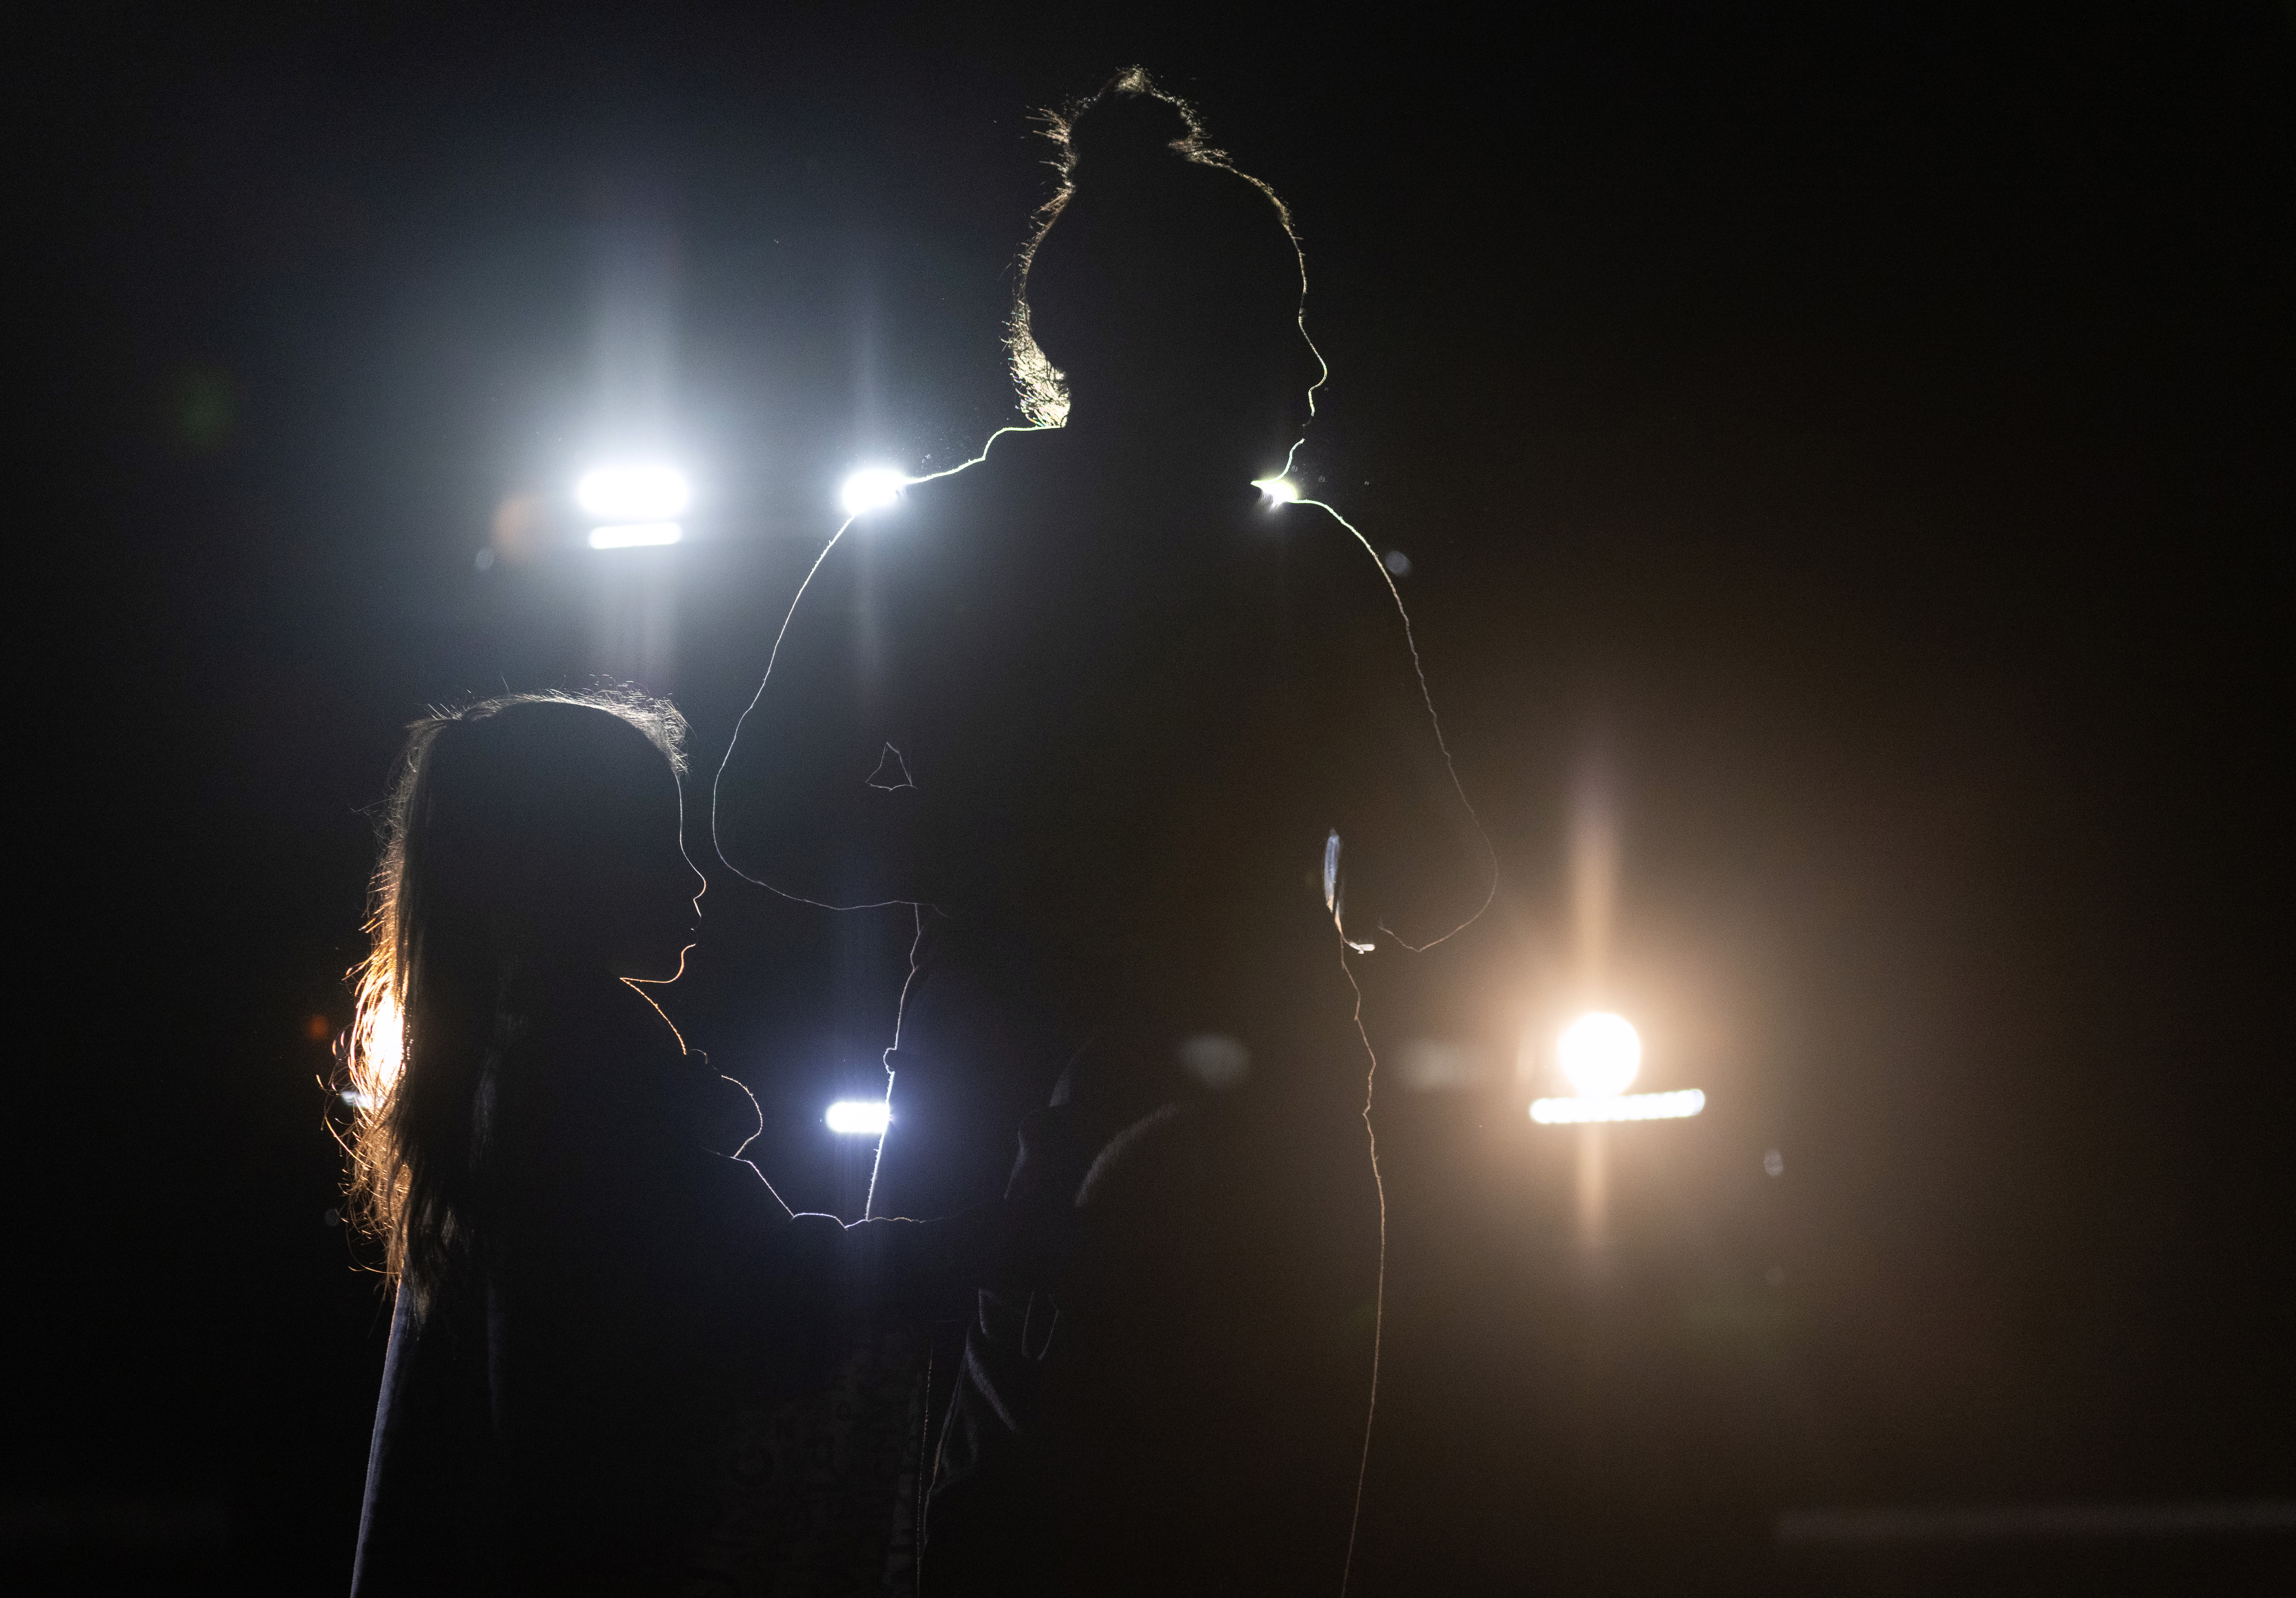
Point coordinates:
[(1295, 371), (1247, 395)]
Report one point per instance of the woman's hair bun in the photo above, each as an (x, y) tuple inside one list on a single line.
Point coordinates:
[(1130, 123)]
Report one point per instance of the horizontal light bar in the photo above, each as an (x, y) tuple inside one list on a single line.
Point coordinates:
[(630, 535), (1619, 1107), (633, 491), (867, 1116), (1975, 1522)]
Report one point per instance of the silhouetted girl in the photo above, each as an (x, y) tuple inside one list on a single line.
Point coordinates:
[(1151, 746), (594, 1291)]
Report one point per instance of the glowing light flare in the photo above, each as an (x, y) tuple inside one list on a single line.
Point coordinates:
[(1276, 491), (872, 488), (635, 535), (378, 1049), (1618, 1107), (633, 493), (1600, 1054), (385, 1042), (858, 1116)]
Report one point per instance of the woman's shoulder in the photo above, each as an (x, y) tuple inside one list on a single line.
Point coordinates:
[(1313, 530), (1012, 459), (1325, 567), (938, 524)]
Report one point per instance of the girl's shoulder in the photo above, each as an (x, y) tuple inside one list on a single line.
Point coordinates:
[(581, 1062), (581, 1013)]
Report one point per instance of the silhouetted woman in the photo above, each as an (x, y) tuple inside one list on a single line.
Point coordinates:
[(1151, 748), (594, 1291)]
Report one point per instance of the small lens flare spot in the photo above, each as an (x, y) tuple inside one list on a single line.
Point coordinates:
[(207, 407), (634, 493), (635, 535), (1600, 1054), (1773, 1164), (862, 1116), (871, 488), (520, 525), (1217, 1061), (1430, 1065), (1396, 562), (1616, 1107), (318, 1029), (1276, 491)]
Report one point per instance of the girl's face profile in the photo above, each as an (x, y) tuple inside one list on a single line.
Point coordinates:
[(611, 885), (648, 897)]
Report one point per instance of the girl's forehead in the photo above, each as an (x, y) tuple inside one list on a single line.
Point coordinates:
[(584, 759), (633, 768)]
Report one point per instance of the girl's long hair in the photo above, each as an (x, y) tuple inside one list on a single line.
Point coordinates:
[(428, 990)]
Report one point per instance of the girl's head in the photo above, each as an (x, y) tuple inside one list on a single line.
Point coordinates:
[(1163, 286), (541, 830), (554, 827)]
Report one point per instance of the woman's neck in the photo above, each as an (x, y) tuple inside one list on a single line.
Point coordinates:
[(1158, 445)]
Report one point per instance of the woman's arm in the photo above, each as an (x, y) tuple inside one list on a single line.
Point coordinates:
[(814, 799)]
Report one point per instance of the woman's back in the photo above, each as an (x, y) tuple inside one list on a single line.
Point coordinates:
[(1115, 716), (1150, 751), (1107, 720)]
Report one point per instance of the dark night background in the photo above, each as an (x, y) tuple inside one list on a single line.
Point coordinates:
[(1855, 440)]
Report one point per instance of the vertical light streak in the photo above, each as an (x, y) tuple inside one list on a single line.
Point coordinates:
[(1594, 1185), (1594, 910), (634, 615), (1593, 881)]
